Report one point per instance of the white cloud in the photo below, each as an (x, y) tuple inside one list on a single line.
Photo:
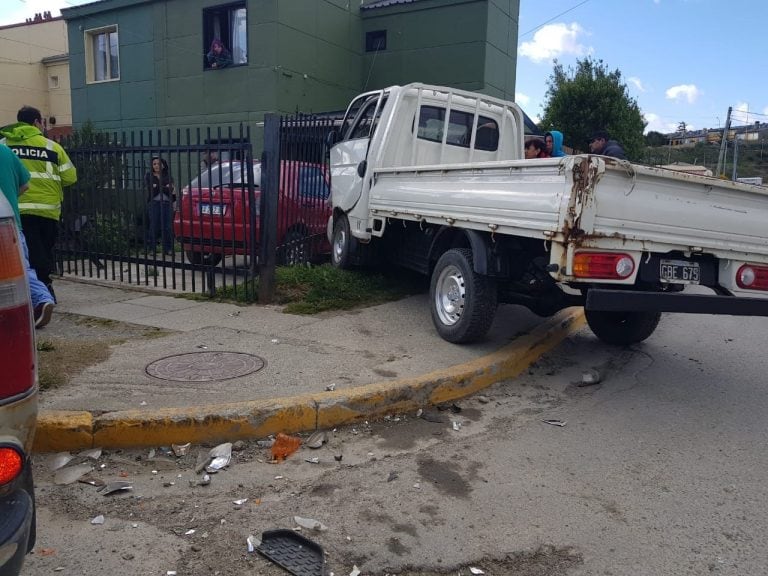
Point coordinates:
[(634, 80), (740, 114), (687, 92), (656, 124), (552, 40), (522, 99)]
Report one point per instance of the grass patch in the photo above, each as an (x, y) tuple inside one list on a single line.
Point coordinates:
[(314, 289), (59, 361)]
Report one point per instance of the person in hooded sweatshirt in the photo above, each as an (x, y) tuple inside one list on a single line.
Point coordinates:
[(554, 142), (601, 143)]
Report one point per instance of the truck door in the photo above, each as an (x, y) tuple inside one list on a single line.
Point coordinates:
[(349, 156)]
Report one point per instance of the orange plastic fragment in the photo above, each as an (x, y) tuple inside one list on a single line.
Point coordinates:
[(284, 446)]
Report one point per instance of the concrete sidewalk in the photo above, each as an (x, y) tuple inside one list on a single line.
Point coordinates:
[(223, 371)]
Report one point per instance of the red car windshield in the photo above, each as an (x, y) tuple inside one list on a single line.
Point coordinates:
[(225, 174)]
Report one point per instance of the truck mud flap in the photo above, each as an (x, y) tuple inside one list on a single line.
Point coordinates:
[(636, 301)]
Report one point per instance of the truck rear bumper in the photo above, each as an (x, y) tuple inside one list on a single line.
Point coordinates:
[(637, 301)]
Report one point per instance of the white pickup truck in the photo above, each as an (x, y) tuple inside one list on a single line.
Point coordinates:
[(434, 179)]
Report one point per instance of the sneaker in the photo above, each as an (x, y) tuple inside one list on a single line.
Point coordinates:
[(43, 314)]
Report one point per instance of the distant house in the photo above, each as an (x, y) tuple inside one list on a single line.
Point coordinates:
[(142, 63), (35, 71), (747, 133)]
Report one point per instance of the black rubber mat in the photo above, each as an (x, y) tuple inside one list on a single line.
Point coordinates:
[(292, 551)]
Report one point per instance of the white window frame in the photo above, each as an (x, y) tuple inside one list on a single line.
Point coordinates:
[(90, 56)]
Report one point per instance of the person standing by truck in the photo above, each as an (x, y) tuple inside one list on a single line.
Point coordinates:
[(40, 206), (554, 141)]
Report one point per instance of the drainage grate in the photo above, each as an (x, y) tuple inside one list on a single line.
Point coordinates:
[(205, 366)]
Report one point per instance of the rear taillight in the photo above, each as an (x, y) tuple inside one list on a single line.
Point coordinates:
[(17, 354), (751, 277), (603, 265), (11, 464)]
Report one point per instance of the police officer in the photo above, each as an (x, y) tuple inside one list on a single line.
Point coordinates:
[(40, 206)]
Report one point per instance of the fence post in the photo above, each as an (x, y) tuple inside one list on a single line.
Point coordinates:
[(270, 185)]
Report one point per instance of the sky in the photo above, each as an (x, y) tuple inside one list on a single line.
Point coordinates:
[(681, 60)]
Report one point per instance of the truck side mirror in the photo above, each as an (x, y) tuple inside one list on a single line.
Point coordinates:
[(332, 138)]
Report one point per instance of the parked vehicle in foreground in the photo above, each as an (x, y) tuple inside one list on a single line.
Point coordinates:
[(435, 178), (214, 216), (18, 400)]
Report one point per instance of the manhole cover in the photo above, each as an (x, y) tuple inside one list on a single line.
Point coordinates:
[(205, 366)]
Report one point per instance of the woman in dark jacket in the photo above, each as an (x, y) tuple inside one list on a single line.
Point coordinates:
[(161, 195)]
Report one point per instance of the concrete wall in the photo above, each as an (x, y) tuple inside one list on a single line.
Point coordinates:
[(25, 77)]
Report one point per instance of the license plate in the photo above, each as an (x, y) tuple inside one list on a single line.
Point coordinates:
[(213, 209), (679, 272)]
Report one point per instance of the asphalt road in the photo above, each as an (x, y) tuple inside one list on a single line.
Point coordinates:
[(660, 469)]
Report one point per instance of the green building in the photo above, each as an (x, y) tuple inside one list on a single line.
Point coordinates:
[(139, 64)]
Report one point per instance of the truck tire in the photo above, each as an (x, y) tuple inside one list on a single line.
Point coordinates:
[(463, 303), (622, 328), (343, 244), (203, 258), (296, 251)]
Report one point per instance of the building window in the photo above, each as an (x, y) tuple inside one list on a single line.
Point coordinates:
[(102, 55), (53, 82), (376, 41), (227, 25)]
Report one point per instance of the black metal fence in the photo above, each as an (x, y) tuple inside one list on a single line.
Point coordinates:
[(201, 227)]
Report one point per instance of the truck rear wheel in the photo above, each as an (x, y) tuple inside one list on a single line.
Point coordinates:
[(342, 244), (622, 328), (463, 303)]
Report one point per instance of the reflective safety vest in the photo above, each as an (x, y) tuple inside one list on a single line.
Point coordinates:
[(49, 167)]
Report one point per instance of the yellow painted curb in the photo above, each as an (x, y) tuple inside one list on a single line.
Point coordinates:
[(61, 430)]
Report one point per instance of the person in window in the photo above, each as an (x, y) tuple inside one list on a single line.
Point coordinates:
[(218, 56), (161, 195), (554, 142), (535, 148)]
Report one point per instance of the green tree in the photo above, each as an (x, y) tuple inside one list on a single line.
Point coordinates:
[(590, 97), (654, 138)]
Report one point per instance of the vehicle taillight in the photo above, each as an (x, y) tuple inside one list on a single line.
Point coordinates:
[(17, 354), (11, 464), (751, 277), (603, 265)]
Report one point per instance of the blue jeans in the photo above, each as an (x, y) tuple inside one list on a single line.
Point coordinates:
[(38, 291), (160, 224)]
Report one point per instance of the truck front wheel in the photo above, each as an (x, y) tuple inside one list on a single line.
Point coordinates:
[(622, 328), (463, 303), (342, 244)]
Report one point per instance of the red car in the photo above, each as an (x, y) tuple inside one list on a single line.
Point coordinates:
[(213, 217)]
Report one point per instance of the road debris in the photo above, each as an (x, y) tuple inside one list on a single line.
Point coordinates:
[(98, 520), (590, 378), (553, 422), (240, 502), (475, 570), (310, 524), (92, 480), (93, 454), (483, 399), (116, 486), (331, 387), (66, 476), (189, 532), (180, 450), (456, 425), (312, 460), (268, 443), (220, 457), (60, 460), (355, 571), (316, 440), (252, 543), (284, 446), (295, 553)]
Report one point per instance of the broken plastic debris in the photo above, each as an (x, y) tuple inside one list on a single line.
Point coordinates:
[(240, 502), (70, 475), (284, 446), (116, 486), (189, 532), (265, 443), (275, 341), (143, 403), (93, 454), (170, 573), (205, 480), (220, 457), (312, 460), (560, 423), (98, 520), (475, 570), (456, 425), (310, 524), (92, 480), (252, 542), (355, 571), (316, 440), (151, 454), (331, 387), (180, 449), (60, 460)]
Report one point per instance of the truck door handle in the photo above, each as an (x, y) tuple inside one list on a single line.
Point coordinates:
[(361, 168)]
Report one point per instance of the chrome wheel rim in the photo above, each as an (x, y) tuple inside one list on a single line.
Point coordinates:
[(450, 293)]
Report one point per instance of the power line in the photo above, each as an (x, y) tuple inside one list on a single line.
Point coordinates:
[(553, 18)]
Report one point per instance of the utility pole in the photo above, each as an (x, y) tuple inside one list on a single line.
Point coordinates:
[(723, 145), (735, 156)]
